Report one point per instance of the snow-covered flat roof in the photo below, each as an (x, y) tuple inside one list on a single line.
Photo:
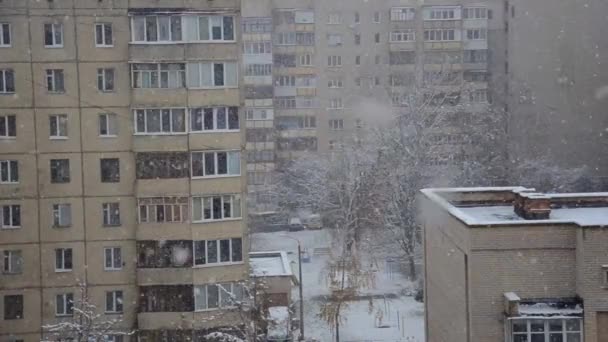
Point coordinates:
[(504, 214), (269, 264)]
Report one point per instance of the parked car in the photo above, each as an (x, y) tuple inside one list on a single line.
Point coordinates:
[(295, 225)]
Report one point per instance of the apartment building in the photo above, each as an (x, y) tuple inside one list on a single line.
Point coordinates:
[(121, 135), (510, 264)]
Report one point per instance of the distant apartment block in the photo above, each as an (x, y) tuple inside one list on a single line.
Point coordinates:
[(513, 265)]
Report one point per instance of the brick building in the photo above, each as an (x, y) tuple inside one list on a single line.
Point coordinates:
[(509, 264)]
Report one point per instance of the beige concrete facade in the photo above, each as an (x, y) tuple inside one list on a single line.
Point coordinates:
[(476, 251), (87, 213)]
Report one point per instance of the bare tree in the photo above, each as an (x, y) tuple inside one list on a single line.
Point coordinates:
[(86, 324)]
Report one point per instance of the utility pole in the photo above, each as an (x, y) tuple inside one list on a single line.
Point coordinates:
[(301, 338)]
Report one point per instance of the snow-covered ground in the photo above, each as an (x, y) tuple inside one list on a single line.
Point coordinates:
[(396, 320)]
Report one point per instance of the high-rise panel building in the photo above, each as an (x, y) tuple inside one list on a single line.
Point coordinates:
[(121, 133)]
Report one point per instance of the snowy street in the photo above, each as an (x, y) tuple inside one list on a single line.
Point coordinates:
[(389, 316)]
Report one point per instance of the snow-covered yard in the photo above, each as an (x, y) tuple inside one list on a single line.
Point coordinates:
[(398, 318)]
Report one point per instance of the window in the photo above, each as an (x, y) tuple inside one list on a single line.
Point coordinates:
[(163, 209), (158, 75), (11, 216), (336, 124), (53, 35), (475, 13), (306, 59), (114, 302), (213, 28), (258, 70), (160, 121), (111, 214), (7, 81), (54, 81), (110, 170), (64, 304), (163, 165), (13, 262), (285, 38), (402, 13), (335, 83), (214, 119), (334, 39), (62, 215), (60, 170), (377, 80), (108, 125), (212, 164), (13, 307), (63, 260), (377, 17), (213, 296), (285, 81), (358, 60), (9, 172), (358, 81), (103, 35), (476, 34), (5, 34), (213, 208), (377, 37), (112, 338), (478, 96), (162, 28), (218, 251), (212, 75), (334, 18), (334, 61), (554, 330), (296, 122), (112, 258), (305, 38), (439, 35), (58, 125), (403, 36), (257, 25), (476, 76), (441, 14), (257, 48), (336, 103), (105, 79), (475, 56)]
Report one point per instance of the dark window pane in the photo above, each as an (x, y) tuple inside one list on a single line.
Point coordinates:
[(224, 250), (237, 250), (218, 74), (208, 119), (228, 28), (212, 251), (221, 118), (233, 118), (217, 208), (222, 163), (209, 164), (212, 296), (199, 252)]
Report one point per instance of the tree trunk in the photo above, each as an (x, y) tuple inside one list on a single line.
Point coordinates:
[(338, 325), (412, 266)]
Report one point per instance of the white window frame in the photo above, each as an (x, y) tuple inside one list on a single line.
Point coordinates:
[(52, 77), (58, 218), (11, 257), (162, 112), (4, 80), (546, 332), (334, 18), (335, 83), (478, 96), (476, 34), (306, 59), (12, 209), (171, 203), (6, 173), (103, 76), (407, 35), (104, 38), (4, 27), (403, 13), (441, 33), (224, 289), (158, 29), (61, 126), (377, 19), (63, 267), (218, 253), (56, 28), (117, 306), (215, 115), (483, 13), (111, 129), (336, 103), (210, 19), (159, 73), (211, 65), (115, 258), (334, 61), (206, 202), (68, 302), (442, 13), (229, 172), (6, 119), (107, 211), (336, 124)]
